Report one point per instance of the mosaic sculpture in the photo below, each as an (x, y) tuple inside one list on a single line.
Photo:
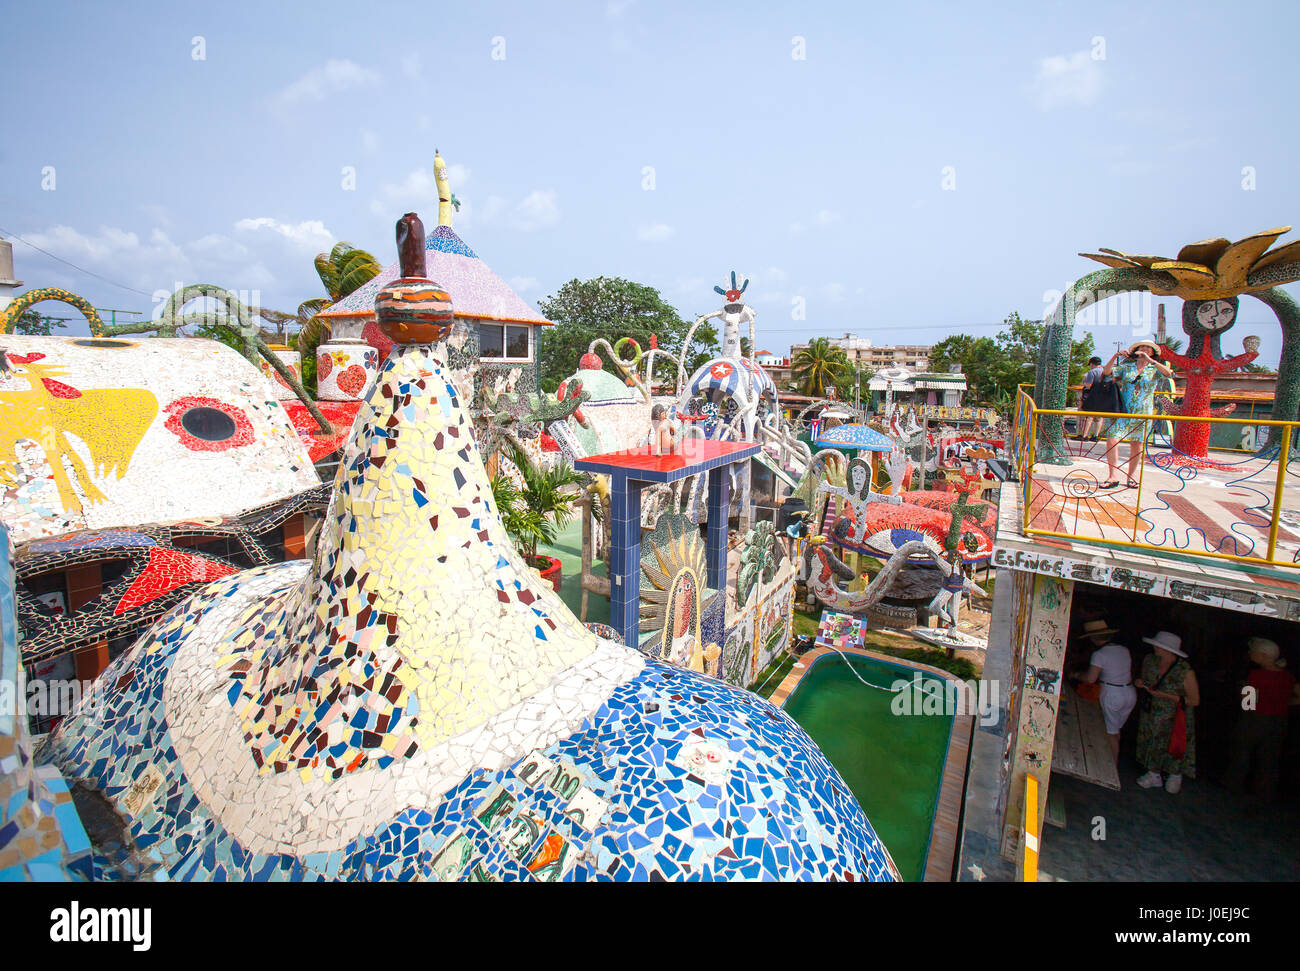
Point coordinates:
[(160, 571), (1214, 269), (1204, 322), (415, 703), (103, 433), (170, 322)]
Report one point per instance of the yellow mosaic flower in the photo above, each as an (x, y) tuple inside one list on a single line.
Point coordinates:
[(1211, 269)]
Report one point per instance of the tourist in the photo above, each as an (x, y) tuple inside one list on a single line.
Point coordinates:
[(1100, 393), (1112, 665), (1260, 733), (1137, 378), (1167, 752)]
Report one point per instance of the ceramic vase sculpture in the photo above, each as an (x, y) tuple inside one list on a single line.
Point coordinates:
[(290, 359), (345, 369)]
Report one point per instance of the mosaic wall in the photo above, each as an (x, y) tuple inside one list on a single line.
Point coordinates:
[(416, 704), (41, 836), (1038, 695), (107, 433)]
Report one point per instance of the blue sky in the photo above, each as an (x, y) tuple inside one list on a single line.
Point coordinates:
[(1066, 127)]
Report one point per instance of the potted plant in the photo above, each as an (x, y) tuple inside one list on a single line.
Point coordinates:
[(534, 514)]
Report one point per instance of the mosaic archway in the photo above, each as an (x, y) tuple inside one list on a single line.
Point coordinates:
[(1209, 270), (23, 302)]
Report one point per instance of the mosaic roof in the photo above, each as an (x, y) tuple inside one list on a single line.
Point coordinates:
[(855, 436), (478, 292), (415, 703)]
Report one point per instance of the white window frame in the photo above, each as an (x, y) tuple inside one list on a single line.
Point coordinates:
[(532, 342)]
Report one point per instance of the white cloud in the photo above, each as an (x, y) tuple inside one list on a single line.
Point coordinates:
[(320, 82), (1067, 80), (523, 284), (154, 261), (310, 234), (825, 217), (540, 208), (418, 191), (656, 233)]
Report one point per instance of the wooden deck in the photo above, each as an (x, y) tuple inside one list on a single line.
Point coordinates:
[(952, 789), (1081, 748)]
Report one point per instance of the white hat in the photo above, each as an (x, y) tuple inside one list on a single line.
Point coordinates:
[(1167, 641)]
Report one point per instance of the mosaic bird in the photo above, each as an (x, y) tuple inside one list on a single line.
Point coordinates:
[(110, 422)]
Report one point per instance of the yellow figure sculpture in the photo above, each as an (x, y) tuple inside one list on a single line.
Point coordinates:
[(110, 421)]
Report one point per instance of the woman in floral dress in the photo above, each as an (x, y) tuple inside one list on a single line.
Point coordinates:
[(1139, 377), (1166, 679)]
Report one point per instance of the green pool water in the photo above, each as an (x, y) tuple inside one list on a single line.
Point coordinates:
[(893, 763)]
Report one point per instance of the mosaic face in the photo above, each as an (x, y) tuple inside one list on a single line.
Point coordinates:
[(97, 434), (1215, 315)]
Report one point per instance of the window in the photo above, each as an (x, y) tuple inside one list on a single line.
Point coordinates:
[(504, 342)]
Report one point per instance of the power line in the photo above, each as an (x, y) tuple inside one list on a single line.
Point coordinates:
[(82, 269)]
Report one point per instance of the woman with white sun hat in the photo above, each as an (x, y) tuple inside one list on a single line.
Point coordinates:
[(1166, 745), (1112, 666)]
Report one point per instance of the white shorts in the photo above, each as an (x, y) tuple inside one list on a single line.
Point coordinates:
[(1116, 705)]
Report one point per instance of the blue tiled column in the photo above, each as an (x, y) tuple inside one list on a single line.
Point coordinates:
[(715, 550), (625, 558)]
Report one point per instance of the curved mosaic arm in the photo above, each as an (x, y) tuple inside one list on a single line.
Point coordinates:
[(628, 372), (681, 358), (1286, 396), (172, 320), (20, 304)]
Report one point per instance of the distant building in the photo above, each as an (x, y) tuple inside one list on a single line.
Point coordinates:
[(777, 368), (863, 354)]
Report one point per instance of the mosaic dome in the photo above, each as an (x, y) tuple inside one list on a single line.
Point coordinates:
[(415, 703)]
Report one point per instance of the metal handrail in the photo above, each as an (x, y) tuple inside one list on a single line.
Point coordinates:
[(1025, 439)]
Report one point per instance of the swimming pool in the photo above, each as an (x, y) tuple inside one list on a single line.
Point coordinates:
[(901, 768)]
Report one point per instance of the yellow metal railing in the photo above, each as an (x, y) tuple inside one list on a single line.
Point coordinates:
[(1030, 830), (1025, 435)]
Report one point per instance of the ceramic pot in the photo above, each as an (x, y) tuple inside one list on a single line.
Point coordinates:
[(345, 369)]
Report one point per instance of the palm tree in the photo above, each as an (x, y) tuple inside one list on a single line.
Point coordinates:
[(342, 270), (534, 515), (819, 366)]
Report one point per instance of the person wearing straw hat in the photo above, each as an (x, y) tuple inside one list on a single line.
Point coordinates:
[(1138, 379), (1112, 665), (1165, 751), (1260, 733)]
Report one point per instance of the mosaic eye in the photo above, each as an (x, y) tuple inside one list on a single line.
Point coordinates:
[(208, 424)]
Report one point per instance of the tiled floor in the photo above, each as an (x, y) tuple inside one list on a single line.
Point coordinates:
[(1225, 510), (1203, 833)]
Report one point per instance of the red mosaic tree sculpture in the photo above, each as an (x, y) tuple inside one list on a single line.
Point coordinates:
[(1204, 321)]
